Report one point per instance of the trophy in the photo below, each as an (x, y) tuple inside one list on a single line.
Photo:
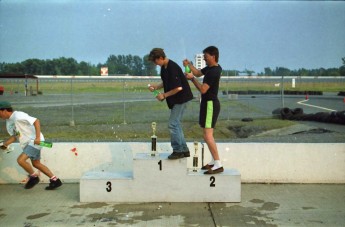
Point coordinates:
[(202, 154), (195, 158), (153, 139)]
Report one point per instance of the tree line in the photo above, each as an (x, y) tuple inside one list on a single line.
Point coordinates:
[(135, 65), (282, 71), (120, 64)]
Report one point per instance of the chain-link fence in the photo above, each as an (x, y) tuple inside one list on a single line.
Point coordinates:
[(122, 108)]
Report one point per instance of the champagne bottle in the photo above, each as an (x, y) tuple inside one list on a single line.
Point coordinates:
[(154, 92), (187, 69), (46, 144)]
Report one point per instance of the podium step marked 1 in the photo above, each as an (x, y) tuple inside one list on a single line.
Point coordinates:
[(157, 179)]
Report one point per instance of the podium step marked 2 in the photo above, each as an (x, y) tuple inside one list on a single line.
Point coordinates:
[(157, 179)]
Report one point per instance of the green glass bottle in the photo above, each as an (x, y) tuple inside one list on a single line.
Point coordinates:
[(154, 92), (187, 69), (46, 144)]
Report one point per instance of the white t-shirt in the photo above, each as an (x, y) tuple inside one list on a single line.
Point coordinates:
[(21, 125)]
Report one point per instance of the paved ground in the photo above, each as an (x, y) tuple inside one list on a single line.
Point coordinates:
[(262, 205)]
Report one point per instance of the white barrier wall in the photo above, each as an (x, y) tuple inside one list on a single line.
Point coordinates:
[(158, 179), (257, 162)]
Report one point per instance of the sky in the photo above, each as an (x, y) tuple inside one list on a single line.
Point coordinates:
[(249, 34)]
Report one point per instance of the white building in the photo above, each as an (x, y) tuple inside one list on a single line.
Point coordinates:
[(199, 61)]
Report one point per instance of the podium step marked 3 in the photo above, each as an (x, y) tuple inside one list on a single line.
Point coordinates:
[(157, 179)]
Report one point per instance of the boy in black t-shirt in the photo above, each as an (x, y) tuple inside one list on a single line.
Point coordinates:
[(176, 93), (210, 105)]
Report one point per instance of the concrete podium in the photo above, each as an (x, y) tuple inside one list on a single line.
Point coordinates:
[(158, 179)]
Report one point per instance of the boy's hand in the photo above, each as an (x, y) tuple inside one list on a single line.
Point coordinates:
[(151, 87), (6, 149), (3, 147), (37, 141), (185, 62), (160, 97), (189, 76)]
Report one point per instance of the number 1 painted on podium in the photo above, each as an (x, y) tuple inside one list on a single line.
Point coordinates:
[(160, 165)]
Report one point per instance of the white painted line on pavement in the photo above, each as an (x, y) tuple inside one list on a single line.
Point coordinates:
[(320, 107)]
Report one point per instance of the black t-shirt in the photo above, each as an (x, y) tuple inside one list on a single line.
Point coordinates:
[(211, 77), (173, 77)]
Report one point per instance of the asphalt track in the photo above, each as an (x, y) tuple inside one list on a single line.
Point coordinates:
[(265, 103), (310, 104)]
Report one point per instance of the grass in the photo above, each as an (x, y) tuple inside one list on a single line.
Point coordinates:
[(97, 120), (142, 131)]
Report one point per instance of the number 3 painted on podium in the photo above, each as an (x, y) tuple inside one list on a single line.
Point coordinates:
[(109, 186)]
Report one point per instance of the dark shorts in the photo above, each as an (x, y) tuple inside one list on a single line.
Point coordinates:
[(209, 112)]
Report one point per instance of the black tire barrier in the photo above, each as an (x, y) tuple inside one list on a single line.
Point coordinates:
[(336, 117), (286, 92), (341, 93), (286, 113), (247, 119), (277, 112), (297, 111), (340, 114)]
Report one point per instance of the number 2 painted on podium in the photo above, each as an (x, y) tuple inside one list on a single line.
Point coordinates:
[(212, 179)]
